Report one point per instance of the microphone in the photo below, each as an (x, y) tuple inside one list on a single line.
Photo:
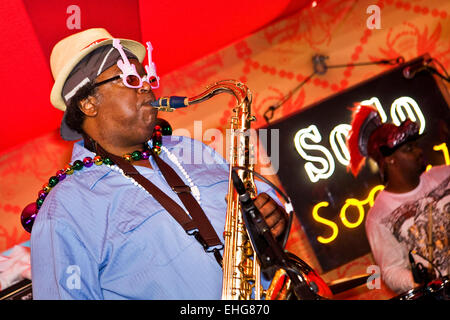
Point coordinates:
[(267, 249), (257, 229), (170, 103), (269, 252), (410, 71), (414, 270), (420, 273)]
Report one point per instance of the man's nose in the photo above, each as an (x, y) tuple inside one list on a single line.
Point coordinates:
[(146, 88)]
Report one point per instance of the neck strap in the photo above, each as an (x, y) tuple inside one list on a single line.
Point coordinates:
[(197, 224)]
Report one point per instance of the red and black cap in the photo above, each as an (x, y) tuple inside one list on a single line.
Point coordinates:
[(369, 137)]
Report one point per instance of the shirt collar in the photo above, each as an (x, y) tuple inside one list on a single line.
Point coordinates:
[(92, 175), (79, 152)]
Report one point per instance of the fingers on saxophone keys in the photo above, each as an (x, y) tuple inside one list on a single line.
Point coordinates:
[(261, 200), (278, 229), (273, 214)]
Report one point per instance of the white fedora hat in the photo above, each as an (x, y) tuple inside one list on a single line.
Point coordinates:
[(68, 52)]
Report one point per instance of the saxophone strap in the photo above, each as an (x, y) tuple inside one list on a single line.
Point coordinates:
[(205, 228), (198, 226)]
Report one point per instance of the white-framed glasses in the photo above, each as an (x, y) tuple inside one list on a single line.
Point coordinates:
[(130, 76)]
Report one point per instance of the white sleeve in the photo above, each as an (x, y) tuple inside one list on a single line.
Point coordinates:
[(437, 174), (390, 256)]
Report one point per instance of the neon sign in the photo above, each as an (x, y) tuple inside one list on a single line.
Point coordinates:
[(331, 224), (377, 104), (359, 204), (443, 147), (410, 106), (401, 108), (338, 143)]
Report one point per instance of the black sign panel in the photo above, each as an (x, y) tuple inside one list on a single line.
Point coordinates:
[(330, 203)]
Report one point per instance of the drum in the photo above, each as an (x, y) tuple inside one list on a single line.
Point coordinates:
[(413, 294), (435, 290)]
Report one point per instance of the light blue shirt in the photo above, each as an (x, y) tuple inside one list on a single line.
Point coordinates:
[(98, 236)]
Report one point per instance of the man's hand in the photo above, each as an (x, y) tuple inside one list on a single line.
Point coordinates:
[(274, 215)]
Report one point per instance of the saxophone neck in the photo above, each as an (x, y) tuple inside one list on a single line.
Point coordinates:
[(236, 88), (239, 90)]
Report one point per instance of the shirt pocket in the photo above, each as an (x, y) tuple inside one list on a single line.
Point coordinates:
[(151, 232)]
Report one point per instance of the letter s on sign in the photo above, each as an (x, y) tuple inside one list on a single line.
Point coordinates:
[(327, 222), (327, 163)]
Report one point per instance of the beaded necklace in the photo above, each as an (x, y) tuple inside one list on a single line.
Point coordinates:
[(30, 212), (194, 189)]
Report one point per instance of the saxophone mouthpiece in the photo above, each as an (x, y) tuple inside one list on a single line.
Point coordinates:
[(170, 103)]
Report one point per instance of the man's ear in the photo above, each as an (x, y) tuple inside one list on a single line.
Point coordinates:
[(390, 160), (89, 106)]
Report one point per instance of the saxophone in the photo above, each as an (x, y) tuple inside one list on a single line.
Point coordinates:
[(241, 268)]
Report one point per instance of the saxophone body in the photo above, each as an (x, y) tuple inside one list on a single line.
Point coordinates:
[(241, 269)]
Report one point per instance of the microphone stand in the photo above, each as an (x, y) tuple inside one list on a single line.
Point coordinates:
[(270, 253), (320, 68)]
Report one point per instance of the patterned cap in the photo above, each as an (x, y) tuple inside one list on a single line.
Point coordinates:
[(369, 137)]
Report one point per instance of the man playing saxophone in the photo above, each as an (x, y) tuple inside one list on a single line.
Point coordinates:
[(128, 218)]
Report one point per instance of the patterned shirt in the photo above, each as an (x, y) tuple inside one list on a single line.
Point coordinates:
[(398, 223)]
